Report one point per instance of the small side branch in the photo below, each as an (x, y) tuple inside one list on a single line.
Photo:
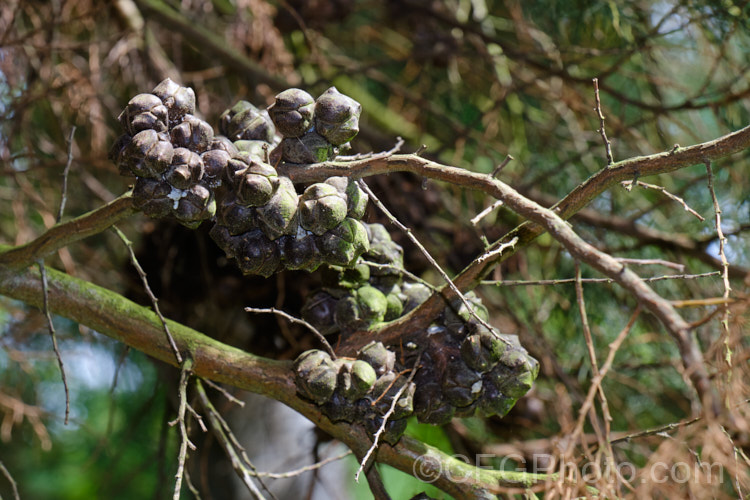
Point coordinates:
[(151, 296), (66, 171), (598, 109), (298, 321), (724, 265), (628, 185), (427, 255), (184, 439), (376, 437), (10, 479), (43, 272), (218, 426), (68, 232)]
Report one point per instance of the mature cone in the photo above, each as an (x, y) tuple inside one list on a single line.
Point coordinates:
[(322, 207), (315, 375), (309, 148), (118, 154), (292, 112), (179, 100), (337, 117), (342, 245), (256, 150), (192, 133), (148, 154), (245, 121), (215, 162), (356, 199), (222, 143), (255, 184), (301, 252), (186, 169), (144, 112), (234, 216), (376, 355), (252, 251), (279, 215), (152, 197), (195, 206)]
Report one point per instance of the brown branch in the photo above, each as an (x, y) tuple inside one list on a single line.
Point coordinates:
[(551, 221), (63, 234), (119, 318)]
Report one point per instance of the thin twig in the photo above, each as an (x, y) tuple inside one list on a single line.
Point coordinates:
[(484, 213), (737, 483), (192, 487), (653, 262), (298, 321), (225, 392), (66, 171), (306, 468), (598, 109), (361, 156), (490, 254), (629, 185), (151, 296), (568, 281), (10, 479), (427, 255), (499, 168), (43, 272), (185, 442), (394, 401), (197, 417), (724, 266), (218, 429), (594, 368)]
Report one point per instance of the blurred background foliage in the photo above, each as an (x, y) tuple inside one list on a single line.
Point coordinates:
[(474, 81)]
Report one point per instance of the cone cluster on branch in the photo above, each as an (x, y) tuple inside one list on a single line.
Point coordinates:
[(464, 368), (183, 169)]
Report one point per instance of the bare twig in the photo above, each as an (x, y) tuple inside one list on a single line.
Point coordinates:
[(151, 296), (568, 281), (598, 109), (484, 213), (225, 392), (51, 326), (653, 262), (738, 484), (218, 428), (376, 437), (502, 165), (298, 321), (302, 470), (594, 369), (724, 265), (596, 382), (185, 442), (66, 171), (427, 255), (10, 479), (629, 185)]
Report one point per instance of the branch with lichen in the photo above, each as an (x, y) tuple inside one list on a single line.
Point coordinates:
[(117, 317)]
